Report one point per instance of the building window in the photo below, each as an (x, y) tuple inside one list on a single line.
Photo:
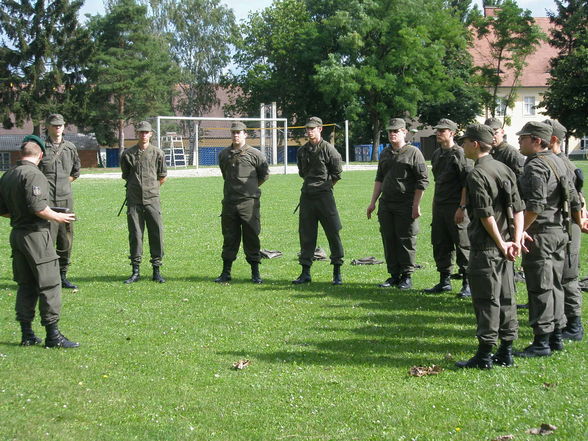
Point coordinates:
[(584, 143), (4, 160), (529, 106), (500, 106)]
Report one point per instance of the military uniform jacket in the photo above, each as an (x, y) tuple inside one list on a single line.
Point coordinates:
[(401, 172), (509, 155), (243, 170), (450, 168), (142, 170), (488, 196), (23, 191), (59, 163), (539, 189), (574, 173), (320, 166)]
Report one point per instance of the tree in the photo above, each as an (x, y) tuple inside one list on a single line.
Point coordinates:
[(41, 55), (566, 98), (130, 74), (512, 36)]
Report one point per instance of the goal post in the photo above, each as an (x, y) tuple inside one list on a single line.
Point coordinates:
[(204, 137)]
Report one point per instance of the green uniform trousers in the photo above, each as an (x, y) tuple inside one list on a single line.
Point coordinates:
[(399, 237), (35, 268), (62, 235), (137, 217), (491, 278), (449, 239), (241, 219), (571, 272), (543, 266), (317, 208)]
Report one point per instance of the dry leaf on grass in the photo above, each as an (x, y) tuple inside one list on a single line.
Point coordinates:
[(545, 429), (241, 364), (549, 385), (421, 371), (504, 438)]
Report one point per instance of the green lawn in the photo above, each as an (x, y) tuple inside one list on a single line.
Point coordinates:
[(327, 363)]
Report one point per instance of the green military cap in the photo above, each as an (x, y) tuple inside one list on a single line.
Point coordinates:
[(144, 126), (35, 139), (314, 121), (558, 129), (538, 130), (237, 126), (445, 123), (55, 119), (493, 123), (396, 123), (478, 132)]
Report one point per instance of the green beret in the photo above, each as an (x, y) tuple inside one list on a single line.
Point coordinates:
[(478, 132), (493, 123), (35, 139), (237, 126), (445, 123), (55, 119), (538, 130), (144, 126), (396, 123), (559, 130), (314, 121)]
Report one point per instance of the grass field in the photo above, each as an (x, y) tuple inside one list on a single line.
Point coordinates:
[(327, 363)]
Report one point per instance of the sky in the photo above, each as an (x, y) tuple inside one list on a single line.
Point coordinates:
[(243, 7)]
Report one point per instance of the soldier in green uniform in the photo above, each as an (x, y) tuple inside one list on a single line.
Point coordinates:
[(61, 166), (319, 164), (143, 167), (24, 198), (544, 189), (495, 230), (449, 234), (571, 271), (244, 169), (504, 152), (400, 182)]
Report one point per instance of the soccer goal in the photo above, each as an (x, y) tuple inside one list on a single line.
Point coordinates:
[(196, 141)]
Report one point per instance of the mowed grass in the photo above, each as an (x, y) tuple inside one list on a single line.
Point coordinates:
[(327, 363)]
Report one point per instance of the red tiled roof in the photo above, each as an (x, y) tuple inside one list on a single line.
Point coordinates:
[(535, 73)]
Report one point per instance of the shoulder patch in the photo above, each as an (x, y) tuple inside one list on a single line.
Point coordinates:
[(36, 190)]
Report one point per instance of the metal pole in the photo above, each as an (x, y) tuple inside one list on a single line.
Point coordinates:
[(274, 134), (285, 147), (262, 132), (196, 159), (347, 142)]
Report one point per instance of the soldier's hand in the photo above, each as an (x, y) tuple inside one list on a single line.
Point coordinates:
[(66, 218), (416, 211), (459, 216), (585, 226), (524, 239), (370, 210)]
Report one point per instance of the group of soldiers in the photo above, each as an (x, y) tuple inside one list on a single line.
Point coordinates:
[(490, 206)]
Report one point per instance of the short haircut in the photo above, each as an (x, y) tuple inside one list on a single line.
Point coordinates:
[(544, 144), (484, 146), (30, 148)]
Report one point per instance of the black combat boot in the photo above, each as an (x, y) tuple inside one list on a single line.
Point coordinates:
[(539, 347), (337, 280), (556, 341), (405, 282), (503, 356), (465, 288), (56, 339), (157, 277), (225, 275), (135, 275), (28, 336), (443, 285), (66, 283), (255, 276), (304, 276), (390, 282), (482, 359), (574, 329)]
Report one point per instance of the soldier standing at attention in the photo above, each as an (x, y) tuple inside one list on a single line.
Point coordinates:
[(319, 164), (400, 182), (504, 152), (495, 230), (143, 167), (244, 169), (571, 271), (61, 166), (544, 188), (449, 234), (24, 198)]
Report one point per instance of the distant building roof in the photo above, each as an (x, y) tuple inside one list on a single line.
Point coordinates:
[(82, 142)]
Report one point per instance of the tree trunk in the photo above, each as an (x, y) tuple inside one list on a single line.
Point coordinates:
[(376, 129), (121, 127)]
